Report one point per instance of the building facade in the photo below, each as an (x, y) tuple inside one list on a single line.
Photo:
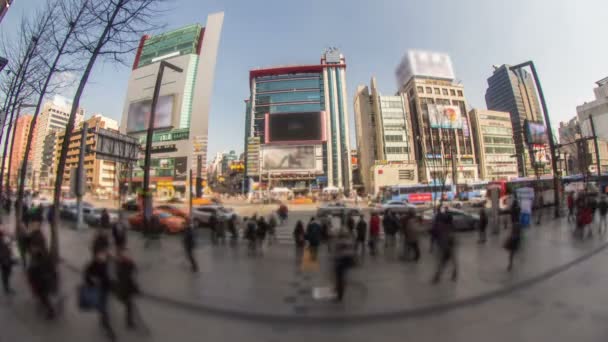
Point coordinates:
[(52, 119), (442, 139), (578, 155), (513, 91), (494, 146), (297, 125), (182, 113), (383, 127), (598, 110), (22, 129), (101, 175)]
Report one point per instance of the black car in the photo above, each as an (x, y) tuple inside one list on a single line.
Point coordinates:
[(131, 205)]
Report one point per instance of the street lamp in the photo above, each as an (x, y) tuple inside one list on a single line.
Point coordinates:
[(530, 64), (150, 133)]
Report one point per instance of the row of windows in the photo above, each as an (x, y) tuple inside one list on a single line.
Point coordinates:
[(393, 138), (437, 91), (501, 150), (396, 149), (498, 140), (303, 107), (291, 84), (496, 130), (391, 104), (298, 96), (494, 117)]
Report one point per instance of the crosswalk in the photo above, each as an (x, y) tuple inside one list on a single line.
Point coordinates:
[(284, 235)]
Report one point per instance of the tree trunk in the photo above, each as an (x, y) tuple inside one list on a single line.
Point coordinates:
[(70, 127), (30, 136)]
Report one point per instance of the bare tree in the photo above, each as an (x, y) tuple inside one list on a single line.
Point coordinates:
[(120, 24)]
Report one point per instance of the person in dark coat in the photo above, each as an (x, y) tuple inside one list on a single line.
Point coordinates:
[(96, 275), (101, 242), (232, 228), (603, 209), (189, 245), (23, 242), (483, 224), (119, 234), (447, 246), (361, 235), (344, 259), (513, 243), (6, 262), (299, 236), (42, 277), (104, 220), (250, 234), (213, 225), (350, 224), (313, 235), (126, 286)]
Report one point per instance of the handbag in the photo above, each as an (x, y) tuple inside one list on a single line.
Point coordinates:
[(89, 297)]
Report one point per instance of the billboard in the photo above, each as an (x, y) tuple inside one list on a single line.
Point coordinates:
[(294, 127), (536, 133), (445, 116), (288, 158), (425, 64), (180, 168), (139, 114)]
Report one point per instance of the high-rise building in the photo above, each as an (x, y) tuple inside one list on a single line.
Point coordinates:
[(495, 149), (22, 130), (101, 175), (297, 125), (52, 119), (182, 112), (443, 143), (382, 128), (513, 91)]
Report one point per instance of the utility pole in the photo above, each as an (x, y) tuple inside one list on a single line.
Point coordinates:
[(149, 135), (81, 179), (595, 145), (199, 176)]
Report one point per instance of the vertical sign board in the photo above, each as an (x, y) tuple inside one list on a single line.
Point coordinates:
[(253, 156)]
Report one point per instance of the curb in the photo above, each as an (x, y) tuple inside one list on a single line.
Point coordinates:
[(361, 318)]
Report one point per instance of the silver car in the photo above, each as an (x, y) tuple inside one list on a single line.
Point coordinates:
[(93, 216), (337, 209), (202, 214)]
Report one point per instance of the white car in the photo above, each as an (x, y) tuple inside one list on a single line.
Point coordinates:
[(337, 209), (201, 214), (42, 200)]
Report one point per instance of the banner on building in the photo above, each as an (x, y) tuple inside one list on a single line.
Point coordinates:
[(536, 133), (445, 116), (139, 114), (289, 158), (253, 155)]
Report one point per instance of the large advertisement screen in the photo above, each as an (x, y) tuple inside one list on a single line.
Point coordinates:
[(139, 114), (288, 158), (291, 127), (536, 133), (445, 116), (426, 64)]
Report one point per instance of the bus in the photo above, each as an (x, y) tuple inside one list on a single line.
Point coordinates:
[(542, 186), (419, 193), (472, 190)]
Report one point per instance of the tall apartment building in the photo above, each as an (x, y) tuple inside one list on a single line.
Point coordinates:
[(513, 91), (101, 175), (495, 149), (52, 119), (182, 113), (443, 143), (382, 128), (17, 151), (297, 118)]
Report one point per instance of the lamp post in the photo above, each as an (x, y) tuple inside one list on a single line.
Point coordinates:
[(556, 184), (150, 133)]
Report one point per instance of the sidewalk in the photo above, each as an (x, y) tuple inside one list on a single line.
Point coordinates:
[(272, 287)]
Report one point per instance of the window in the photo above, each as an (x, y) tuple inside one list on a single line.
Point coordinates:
[(452, 92), (393, 138), (288, 85), (420, 89), (429, 90), (406, 174), (292, 96), (437, 92), (460, 93), (396, 149), (444, 91)]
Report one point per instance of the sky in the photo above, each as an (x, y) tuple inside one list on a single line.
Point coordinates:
[(565, 39)]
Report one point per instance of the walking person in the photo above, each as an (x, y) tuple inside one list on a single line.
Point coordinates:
[(42, 277), (299, 238), (570, 203), (250, 235), (189, 242), (232, 229), (260, 233), (483, 224), (313, 236), (344, 259), (23, 242), (350, 224), (119, 234), (361, 232), (126, 286), (213, 222), (390, 229), (447, 246), (283, 212), (104, 220), (96, 275), (540, 204), (374, 233), (603, 209), (410, 236), (6, 262), (272, 229), (513, 243)]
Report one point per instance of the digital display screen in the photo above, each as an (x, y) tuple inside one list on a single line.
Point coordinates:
[(294, 127), (139, 114)]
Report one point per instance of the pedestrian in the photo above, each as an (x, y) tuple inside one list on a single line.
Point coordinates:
[(391, 233), (540, 204), (350, 224), (603, 209), (42, 277), (326, 228), (313, 236), (100, 243), (283, 212), (6, 262), (104, 220), (213, 227), (515, 212), (593, 207), (387, 225), (250, 234), (513, 243), (23, 242), (96, 275), (570, 203), (220, 230), (410, 236), (189, 242), (447, 246), (361, 234), (272, 228), (119, 234), (344, 259), (374, 233), (261, 232), (299, 238), (126, 285), (483, 224), (232, 229)]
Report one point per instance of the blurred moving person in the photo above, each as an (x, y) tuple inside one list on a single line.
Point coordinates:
[(42, 277), (232, 229), (299, 238), (283, 213), (250, 234), (104, 220), (313, 236), (513, 243), (390, 225), (603, 209), (410, 236), (374, 233), (260, 233), (189, 241), (126, 286), (447, 246), (361, 235), (344, 259), (96, 275), (570, 203), (483, 224), (119, 233), (272, 229), (6, 262)]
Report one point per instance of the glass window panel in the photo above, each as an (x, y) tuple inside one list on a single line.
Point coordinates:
[(288, 85), (297, 96)]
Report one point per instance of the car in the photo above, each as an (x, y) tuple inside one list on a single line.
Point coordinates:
[(461, 220), (69, 210), (42, 200), (337, 209), (93, 216), (170, 223), (173, 210), (394, 206), (201, 214), (131, 205)]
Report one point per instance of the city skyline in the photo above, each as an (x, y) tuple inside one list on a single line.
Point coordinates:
[(399, 30)]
